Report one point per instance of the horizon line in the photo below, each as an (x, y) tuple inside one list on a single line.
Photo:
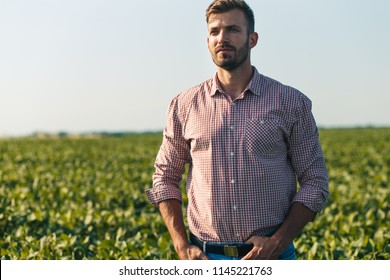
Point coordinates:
[(64, 133)]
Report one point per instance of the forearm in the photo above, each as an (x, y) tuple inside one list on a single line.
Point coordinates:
[(298, 216), (172, 214), (271, 247)]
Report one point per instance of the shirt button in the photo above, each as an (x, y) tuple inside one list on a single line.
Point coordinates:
[(232, 181), (231, 153), (232, 127), (235, 208)]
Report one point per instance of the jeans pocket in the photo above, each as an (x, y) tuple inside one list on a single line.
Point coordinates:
[(289, 253)]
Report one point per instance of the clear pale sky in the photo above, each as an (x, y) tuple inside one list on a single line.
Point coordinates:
[(114, 65)]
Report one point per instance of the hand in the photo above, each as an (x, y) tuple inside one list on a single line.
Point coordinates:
[(264, 248), (191, 252)]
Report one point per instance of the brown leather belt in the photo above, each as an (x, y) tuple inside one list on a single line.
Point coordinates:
[(226, 249)]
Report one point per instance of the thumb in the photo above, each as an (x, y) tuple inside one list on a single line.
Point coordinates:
[(204, 257), (257, 241), (251, 239)]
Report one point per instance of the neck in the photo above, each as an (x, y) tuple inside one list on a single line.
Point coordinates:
[(235, 81)]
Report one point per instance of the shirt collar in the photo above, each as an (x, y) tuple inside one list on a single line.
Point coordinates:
[(215, 85), (253, 85)]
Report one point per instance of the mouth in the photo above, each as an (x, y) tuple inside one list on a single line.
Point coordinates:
[(224, 50)]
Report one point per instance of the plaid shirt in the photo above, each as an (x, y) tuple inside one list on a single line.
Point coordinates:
[(245, 158)]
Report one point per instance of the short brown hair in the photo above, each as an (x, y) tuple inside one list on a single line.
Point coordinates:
[(221, 6)]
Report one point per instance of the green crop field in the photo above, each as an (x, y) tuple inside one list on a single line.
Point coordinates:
[(84, 199)]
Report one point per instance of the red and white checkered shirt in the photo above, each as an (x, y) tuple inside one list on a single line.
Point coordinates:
[(246, 157)]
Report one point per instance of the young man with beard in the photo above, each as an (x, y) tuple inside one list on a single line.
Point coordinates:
[(248, 140)]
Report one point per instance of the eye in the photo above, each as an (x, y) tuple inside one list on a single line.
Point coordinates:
[(234, 29), (213, 32)]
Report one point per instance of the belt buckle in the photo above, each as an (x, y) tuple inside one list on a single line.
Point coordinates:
[(230, 251)]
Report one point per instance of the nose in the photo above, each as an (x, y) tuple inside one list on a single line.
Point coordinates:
[(222, 38)]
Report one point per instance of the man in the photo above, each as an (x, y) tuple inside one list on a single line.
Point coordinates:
[(248, 139)]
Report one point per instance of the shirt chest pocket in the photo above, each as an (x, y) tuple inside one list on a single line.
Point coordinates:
[(264, 137)]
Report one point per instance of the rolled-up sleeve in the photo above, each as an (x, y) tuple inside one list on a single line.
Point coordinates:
[(170, 163), (308, 159)]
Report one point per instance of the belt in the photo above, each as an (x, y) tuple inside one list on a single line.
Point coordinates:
[(226, 249)]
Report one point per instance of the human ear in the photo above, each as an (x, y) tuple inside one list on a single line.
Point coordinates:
[(253, 39)]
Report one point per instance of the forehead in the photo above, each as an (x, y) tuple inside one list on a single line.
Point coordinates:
[(233, 17)]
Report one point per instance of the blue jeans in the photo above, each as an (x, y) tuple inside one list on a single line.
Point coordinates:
[(288, 254)]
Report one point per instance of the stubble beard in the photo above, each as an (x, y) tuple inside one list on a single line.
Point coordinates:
[(233, 61)]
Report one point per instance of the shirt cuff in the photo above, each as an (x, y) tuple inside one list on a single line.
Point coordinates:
[(315, 201), (162, 192)]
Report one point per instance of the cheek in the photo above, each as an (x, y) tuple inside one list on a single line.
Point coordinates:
[(210, 46), (211, 42)]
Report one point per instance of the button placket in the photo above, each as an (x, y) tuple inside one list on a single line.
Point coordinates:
[(233, 153)]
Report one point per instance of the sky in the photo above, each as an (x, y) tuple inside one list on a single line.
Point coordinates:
[(81, 66)]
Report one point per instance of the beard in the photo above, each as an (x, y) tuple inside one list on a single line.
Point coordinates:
[(232, 61)]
